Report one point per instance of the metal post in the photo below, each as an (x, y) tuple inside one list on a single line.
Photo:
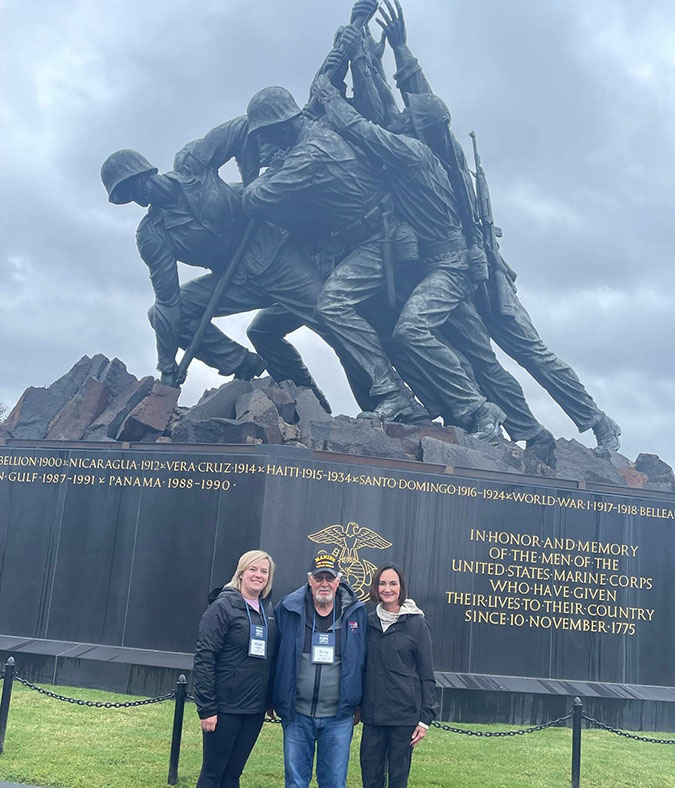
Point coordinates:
[(576, 742), (4, 701), (181, 691)]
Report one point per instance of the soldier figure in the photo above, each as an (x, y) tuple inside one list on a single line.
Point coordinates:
[(505, 317), (423, 198), (197, 218), (328, 193)]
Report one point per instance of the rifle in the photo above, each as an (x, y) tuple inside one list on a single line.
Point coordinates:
[(388, 257), (490, 231)]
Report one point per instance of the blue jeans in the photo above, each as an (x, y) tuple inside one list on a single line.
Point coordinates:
[(331, 736)]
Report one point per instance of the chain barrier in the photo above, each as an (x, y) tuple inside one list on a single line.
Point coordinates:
[(488, 734), (450, 728), (633, 736), (97, 704)]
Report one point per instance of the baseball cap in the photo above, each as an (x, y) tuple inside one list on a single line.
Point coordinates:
[(324, 562)]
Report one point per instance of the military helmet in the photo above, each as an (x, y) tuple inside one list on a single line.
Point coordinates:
[(428, 112), (118, 168), (271, 106)]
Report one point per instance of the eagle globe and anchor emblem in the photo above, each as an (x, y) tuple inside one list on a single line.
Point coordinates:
[(357, 571)]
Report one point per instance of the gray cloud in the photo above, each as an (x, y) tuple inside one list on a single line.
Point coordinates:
[(573, 103)]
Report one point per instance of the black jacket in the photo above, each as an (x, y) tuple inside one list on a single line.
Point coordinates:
[(400, 683), (226, 679)]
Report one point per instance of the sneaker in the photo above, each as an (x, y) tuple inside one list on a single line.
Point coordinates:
[(607, 434), (488, 420), (252, 366), (395, 406)]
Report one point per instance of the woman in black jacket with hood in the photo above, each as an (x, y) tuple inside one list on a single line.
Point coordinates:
[(232, 670), (399, 699)]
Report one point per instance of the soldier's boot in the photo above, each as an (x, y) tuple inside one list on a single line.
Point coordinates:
[(607, 433), (488, 420), (252, 366), (543, 446), (418, 416), (394, 406)]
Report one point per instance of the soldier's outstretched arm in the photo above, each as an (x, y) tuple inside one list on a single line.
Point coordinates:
[(394, 150), (373, 97), (165, 315), (409, 75)]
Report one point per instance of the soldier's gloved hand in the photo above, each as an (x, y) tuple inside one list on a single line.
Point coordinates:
[(345, 41), (276, 160), (324, 90), (363, 8), (478, 264), (393, 24)]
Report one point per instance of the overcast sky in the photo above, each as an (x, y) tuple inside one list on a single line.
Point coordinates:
[(573, 102)]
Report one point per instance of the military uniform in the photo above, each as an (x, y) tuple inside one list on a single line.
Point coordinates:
[(423, 198), (203, 227), (327, 195), (506, 319)]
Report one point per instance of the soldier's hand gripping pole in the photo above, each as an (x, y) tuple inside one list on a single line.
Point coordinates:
[(212, 306), (314, 107)]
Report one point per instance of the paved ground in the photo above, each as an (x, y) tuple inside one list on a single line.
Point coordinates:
[(16, 785)]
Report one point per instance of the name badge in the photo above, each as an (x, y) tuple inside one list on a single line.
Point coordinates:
[(257, 642), (323, 648)]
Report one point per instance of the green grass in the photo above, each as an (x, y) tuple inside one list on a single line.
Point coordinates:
[(59, 745)]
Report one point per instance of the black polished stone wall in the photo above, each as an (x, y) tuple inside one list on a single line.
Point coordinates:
[(121, 547)]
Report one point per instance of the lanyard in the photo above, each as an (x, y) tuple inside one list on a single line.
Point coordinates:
[(262, 613), (257, 642)]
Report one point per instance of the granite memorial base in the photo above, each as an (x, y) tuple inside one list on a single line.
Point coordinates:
[(536, 589)]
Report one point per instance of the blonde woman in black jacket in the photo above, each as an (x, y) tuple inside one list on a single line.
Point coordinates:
[(234, 663), (399, 700)]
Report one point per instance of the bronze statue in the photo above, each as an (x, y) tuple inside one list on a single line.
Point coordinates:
[(197, 218), (364, 225), (504, 315)]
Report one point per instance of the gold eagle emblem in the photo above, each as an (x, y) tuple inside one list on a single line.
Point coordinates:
[(357, 572)]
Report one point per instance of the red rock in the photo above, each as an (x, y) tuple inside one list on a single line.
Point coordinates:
[(151, 416), (89, 402)]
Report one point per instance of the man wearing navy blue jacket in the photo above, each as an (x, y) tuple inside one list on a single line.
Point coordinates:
[(318, 681)]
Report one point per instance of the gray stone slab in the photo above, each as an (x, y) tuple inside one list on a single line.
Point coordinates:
[(587, 689), (218, 431), (575, 461), (17, 785), (109, 422), (438, 452), (151, 416), (352, 436), (219, 403), (37, 408)]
